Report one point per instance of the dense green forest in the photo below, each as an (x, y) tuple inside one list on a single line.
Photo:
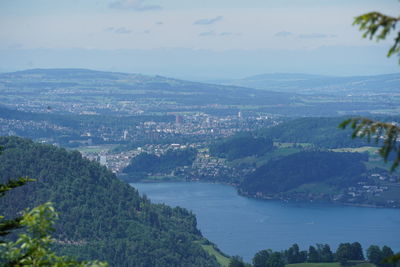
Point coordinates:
[(240, 146), (347, 254), (283, 174), (100, 217), (149, 163), (321, 132)]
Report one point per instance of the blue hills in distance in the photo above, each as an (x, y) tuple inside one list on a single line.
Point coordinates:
[(276, 82), (278, 93)]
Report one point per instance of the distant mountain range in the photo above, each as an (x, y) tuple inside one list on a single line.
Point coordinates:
[(110, 93), (147, 93), (278, 82), (83, 81), (308, 83)]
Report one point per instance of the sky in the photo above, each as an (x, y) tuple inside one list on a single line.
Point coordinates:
[(193, 39)]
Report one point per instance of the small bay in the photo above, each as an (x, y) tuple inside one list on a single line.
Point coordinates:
[(242, 226)]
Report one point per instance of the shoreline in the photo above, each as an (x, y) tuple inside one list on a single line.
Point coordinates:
[(310, 201), (303, 201)]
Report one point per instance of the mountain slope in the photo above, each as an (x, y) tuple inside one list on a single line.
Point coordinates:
[(321, 132), (290, 172), (100, 217)]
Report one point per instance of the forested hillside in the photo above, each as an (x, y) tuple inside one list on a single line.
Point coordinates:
[(149, 163), (282, 175), (241, 146), (321, 132), (100, 217)]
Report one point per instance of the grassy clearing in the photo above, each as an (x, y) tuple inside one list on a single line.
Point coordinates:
[(222, 260), (362, 149), (286, 145)]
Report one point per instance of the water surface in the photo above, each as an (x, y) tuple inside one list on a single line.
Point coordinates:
[(243, 226)]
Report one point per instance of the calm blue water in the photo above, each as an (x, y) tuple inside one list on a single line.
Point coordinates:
[(243, 226)]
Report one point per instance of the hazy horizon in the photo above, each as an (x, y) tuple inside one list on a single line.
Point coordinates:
[(210, 80), (192, 40)]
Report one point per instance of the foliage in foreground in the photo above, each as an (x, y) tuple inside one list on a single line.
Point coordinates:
[(100, 216), (33, 247), (378, 131), (7, 226), (379, 26)]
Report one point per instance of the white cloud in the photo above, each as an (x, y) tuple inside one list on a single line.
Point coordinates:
[(313, 36), (225, 33), (208, 21), (209, 33), (120, 30), (137, 5), (251, 29), (283, 34)]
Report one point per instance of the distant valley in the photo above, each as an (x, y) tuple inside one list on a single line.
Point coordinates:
[(81, 91), (153, 128), (302, 160), (279, 141)]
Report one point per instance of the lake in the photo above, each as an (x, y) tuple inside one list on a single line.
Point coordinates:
[(242, 226)]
